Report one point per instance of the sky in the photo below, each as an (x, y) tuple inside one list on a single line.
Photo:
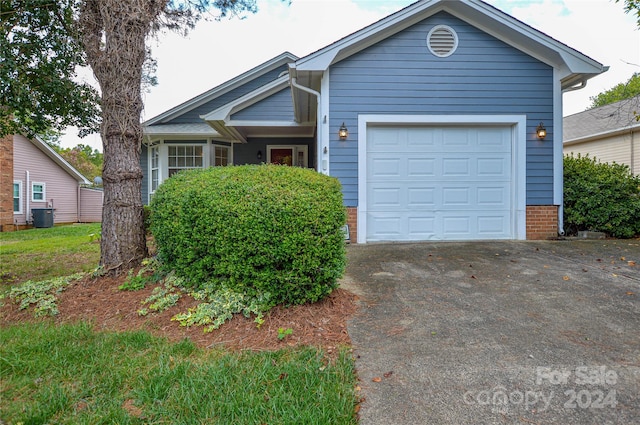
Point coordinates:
[(217, 51)]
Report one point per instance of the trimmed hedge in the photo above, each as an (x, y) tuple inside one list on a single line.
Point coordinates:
[(254, 229), (600, 197)]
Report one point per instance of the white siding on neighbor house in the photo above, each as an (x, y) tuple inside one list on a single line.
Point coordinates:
[(61, 189), (90, 205), (621, 149), (636, 152)]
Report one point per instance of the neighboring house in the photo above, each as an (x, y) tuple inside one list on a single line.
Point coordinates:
[(43, 179), (439, 104), (610, 133)]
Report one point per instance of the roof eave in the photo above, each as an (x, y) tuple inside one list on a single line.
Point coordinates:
[(597, 136), (482, 15), (223, 88)]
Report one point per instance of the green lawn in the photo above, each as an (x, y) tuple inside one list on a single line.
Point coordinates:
[(38, 254), (73, 374)]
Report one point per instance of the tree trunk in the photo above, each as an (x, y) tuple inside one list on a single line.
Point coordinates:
[(114, 33)]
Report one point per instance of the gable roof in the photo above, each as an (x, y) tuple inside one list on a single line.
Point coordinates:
[(221, 89), (574, 67), (60, 161), (608, 120)]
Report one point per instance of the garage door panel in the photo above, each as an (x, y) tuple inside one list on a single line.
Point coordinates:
[(421, 167), (493, 197), (493, 138), (493, 167), (439, 183), (456, 167), (456, 197), (421, 227), (388, 226), (420, 139), (385, 167), (421, 197), (386, 198), (492, 226)]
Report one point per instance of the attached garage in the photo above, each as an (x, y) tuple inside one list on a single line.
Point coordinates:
[(440, 180)]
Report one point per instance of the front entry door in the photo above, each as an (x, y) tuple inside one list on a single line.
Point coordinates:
[(293, 156)]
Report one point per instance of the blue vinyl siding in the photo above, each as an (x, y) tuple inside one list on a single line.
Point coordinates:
[(277, 107), (399, 75), (194, 114), (144, 164), (246, 153)]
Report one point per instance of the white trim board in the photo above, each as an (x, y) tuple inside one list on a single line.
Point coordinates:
[(518, 123)]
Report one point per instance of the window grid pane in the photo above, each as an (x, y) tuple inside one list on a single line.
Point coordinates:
[(37, 191), (221, 156), (184, 157)]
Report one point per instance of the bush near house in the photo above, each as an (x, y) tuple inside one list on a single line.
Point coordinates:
[(256, 229), (600, 197)]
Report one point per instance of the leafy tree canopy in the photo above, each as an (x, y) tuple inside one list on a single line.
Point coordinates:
[(84, 158), (620, 92), (39, 57), (633, 7)]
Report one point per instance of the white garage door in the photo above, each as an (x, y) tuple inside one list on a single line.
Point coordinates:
[(439, 183)]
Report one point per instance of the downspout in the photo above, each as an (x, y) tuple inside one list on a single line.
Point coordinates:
[(319, 150), (79, 206), (26, 213), (579, 86), (634, 169)]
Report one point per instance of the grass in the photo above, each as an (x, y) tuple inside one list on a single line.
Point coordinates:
[(39, 254), (72, 374)]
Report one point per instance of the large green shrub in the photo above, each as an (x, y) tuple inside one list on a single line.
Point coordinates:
[(600, 197), (257, 230)]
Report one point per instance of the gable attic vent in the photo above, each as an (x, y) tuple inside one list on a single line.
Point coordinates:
[(442, 41)]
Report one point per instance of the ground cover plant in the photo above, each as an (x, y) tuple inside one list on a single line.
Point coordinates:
[(600, 197)]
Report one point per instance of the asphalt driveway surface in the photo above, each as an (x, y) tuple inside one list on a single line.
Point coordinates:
[(497, 332)]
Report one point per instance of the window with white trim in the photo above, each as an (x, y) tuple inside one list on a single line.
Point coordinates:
[(185, 157), (38, 193), (155, 170), (221, 156), (17, 197)]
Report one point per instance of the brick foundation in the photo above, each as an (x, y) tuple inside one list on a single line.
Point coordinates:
[(352, 221), (6, 183), (542, 222)]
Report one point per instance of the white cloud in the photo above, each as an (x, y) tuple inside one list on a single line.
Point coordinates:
[(217, 51)]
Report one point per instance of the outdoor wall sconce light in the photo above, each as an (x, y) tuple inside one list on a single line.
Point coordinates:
[(541, 132), (259, 154), (343, 132)]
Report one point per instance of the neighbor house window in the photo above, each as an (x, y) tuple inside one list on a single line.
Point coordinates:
[(155, 171), (17, 197), (221, 156), (184, 158), (38, 192)]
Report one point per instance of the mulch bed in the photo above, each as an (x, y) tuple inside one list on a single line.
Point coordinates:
[(100, 302)]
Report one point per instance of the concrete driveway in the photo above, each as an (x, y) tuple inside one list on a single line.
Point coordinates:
[(497, 332)]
